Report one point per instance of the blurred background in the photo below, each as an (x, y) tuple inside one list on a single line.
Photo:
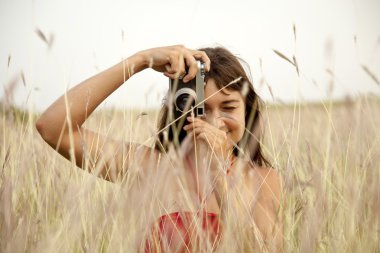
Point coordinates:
[(298, 50), (315, 63)]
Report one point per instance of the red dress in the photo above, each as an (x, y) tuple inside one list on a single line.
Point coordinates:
[(179, 231)]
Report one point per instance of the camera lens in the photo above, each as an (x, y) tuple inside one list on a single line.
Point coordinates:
[(184, 99)]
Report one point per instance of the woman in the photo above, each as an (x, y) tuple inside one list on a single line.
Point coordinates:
[(229, 135)]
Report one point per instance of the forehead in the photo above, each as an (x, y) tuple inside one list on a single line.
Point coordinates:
[(213, 94)]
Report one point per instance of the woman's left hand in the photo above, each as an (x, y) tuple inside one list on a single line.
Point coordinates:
[(213, 137)]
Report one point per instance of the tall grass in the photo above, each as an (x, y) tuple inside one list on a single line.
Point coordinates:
[(328, 155)]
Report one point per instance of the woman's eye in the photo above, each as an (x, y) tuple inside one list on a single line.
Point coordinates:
[(229, 108)]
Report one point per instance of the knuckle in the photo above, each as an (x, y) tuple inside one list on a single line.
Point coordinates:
[(191, 75), (194, 65), (205, 56), (180, 47), (174, 55)]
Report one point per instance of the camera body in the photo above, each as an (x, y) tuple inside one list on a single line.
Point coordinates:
[(189, 97), (184, 99)]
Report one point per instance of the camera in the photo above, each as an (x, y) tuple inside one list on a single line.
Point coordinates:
[(189, 97), (184, 99)]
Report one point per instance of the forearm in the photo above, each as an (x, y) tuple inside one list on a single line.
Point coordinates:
[(82, 100)]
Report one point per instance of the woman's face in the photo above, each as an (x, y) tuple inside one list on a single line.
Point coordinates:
[(225, 110)]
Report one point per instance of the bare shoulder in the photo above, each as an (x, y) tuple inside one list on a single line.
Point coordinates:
[(268, 176), (266, 205), (267, 183)]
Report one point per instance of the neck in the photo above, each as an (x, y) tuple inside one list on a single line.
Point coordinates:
[(202, 155)]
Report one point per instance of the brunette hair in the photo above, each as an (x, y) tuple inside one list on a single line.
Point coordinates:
[(226, 69)]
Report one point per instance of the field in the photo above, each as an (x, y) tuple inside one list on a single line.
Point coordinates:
[(328, 155)]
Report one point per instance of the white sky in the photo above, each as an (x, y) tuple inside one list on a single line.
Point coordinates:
[(88, 38)]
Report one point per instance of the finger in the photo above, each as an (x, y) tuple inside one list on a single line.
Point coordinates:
[(176, 65), (202, 136), (182, 65), (198, 121), (190, 133), (200, 126), (181, 70), (198, 129), (193, 67), (197, 124), (194, 124), (216, 136), (217, 144), (171, 76), (205, 137), (219, 135), (201, 55), (190, 125), (170, 67), (195, 119), (175, 69)]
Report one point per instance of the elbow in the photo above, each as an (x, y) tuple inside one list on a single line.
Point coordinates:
[(40, 126), (45, 131)]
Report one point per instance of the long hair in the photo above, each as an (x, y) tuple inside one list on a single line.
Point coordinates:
[(225, 69)]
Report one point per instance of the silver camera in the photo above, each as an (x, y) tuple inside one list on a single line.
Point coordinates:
[(184, 99), (189, 97)]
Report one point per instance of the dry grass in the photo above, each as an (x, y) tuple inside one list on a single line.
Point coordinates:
[(328, 155)]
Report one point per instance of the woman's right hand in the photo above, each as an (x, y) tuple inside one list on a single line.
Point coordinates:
[(173, 60)]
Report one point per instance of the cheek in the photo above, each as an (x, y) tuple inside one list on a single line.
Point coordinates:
[(236, 128), (239, 132)]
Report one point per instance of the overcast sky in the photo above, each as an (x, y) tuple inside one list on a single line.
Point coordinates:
[(334, 38)]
